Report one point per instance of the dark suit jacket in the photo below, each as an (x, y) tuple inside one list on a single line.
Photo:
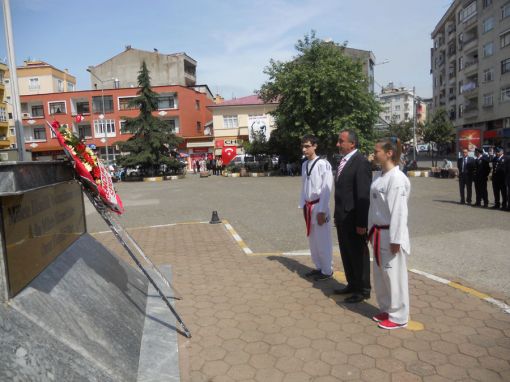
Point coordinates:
[(498, 169), (352, 191), (507, 168), (470, 166), (482, 168)]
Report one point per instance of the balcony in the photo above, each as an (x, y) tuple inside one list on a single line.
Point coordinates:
[(4, 142), (452, 97), (469, 87)]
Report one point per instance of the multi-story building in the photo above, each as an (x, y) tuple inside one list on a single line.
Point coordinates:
[(235, 120), (397, 105), (104, 115), (4, 126), (367, 59), (165, 69), (36, 77), (470, 65)]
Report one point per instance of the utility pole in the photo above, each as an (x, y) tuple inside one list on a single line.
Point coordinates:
[(16, 106)]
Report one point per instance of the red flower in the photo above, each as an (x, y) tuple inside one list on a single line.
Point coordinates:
[(55, 124), (80, 147), (96, 173)]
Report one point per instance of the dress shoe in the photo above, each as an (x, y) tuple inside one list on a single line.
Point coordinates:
[(315, 272), (323, 277), (495, 207), (346, 290), (355, 298)]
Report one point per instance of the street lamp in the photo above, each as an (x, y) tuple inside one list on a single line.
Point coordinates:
[(101, 116)]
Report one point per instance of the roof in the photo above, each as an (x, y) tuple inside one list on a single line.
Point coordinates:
[(244, 101), (130, 49)]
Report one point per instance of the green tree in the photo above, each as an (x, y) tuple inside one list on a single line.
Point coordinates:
[(321, 91), (153, 139), (257, 145), (438, 132)]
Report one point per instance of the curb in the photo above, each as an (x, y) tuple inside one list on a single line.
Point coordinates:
[(470, 291)]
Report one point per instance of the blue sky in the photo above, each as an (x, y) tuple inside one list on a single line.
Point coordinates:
[(232, 40)]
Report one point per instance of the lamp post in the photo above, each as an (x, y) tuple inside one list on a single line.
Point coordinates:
[(102, 115)]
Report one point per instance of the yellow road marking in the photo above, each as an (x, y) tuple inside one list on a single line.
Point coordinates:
[(468, 290)]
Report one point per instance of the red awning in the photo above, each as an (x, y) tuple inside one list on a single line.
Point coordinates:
[(490, 134)]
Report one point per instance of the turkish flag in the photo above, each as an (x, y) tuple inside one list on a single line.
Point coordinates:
[(228, 153), (79, 118)]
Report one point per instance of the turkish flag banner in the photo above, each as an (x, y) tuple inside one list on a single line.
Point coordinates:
[(228, 153)]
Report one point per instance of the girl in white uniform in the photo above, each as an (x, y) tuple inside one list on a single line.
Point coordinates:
[(389, 236), (315, 193)]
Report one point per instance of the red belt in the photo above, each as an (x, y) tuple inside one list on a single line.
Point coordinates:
[(307, 209), (375, 232)]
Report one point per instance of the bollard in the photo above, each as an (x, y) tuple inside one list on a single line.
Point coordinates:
[(215, 219)]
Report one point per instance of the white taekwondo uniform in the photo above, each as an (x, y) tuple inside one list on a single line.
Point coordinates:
[(317, 182), (387, 221)]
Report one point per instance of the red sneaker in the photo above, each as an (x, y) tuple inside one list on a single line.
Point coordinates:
[(390, 325), (381, 317)]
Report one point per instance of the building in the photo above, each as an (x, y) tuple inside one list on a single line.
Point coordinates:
[(165, 69), (234, 121), (36, 77), (185, 108), (4, 125), (367, 59), (470, 65), (397, 105)]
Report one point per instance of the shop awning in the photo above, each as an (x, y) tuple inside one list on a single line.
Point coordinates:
[(200, 144)]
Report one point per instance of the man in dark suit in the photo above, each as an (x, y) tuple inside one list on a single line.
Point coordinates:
[(352, 200), (466, 166), (507, 179), (498, 179), (482, 171)]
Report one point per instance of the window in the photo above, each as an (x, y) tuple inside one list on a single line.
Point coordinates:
[(461, 85), (197, 104), (461, 63), (505, 66), (60, 85), (230, 121), (12, 131), (488, 100), (70, 87), (3, 115), (82, 107), (124, 103), (39, 134), (461, 110), (397, 107), (488, 49), (57, 108), (488, 75), (488, 25), (166, 102), (33, 84), (468, 12), (505, 94), (199, 126), (504, 39), (97, 104), (487, 3), (84, 131), (101, 125), (37, 111), (505, 11)]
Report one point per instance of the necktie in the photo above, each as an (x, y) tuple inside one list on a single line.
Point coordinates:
[(340, 167), (464, 165)]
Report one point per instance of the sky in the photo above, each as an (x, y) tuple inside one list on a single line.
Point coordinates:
[(232, 40)]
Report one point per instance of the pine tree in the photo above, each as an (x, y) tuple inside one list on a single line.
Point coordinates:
[(153, 139)]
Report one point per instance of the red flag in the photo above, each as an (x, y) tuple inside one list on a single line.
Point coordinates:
[(79, 118), (228, 153)]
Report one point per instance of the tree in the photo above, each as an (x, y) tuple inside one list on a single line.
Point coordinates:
[(439, 132), (257, 145), (321, 91), (153, 139)]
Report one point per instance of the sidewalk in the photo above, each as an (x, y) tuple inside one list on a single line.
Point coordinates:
[(255, 318)]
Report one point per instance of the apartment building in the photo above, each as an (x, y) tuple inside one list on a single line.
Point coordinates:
[(4, 126), (397, 105), (186, 110), (470, 67)]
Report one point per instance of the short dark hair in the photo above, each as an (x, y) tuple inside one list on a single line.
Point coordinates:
[(353, 137), (309, 138)]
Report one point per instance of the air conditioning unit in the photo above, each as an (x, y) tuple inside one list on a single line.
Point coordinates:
[(26, 115)]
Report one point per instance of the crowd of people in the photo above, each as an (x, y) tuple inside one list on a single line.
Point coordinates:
[(215, 165), (476, 170), (367, 209)]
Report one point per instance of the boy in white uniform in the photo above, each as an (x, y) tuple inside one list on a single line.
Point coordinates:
[(389, 235), (315, 193)]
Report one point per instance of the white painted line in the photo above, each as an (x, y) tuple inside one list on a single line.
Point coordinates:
[(430, 276), (228, 226), (248, 251), (236, 237), (498, 303)]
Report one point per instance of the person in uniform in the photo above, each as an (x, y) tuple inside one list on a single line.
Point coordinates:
[(389, 236), (498, 179), (317, 182), (466, 165), (481, 174)]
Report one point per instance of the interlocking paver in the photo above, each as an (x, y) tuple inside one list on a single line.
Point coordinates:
[(256, 318)]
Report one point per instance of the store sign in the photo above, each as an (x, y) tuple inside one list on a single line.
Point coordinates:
[(232, 142), (219, 143), (469, 139)]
